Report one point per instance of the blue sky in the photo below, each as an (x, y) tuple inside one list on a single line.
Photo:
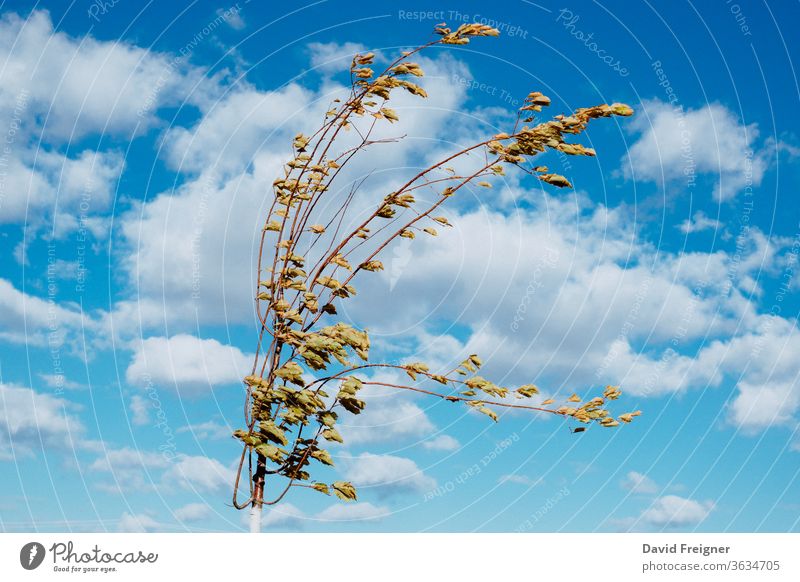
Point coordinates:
[(139, 145)]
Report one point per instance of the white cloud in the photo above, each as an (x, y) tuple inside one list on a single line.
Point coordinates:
[(59, 186), (235, 130), (389, 415), (191, 365), (132, 469), (28, 319), (208, 430), (288, 516), (125, 459), (199, 473), (129, 469), (353, 512), (60, 382), (520, 480), (232, 156), (674, 511), (207, 274), (140, 409), (233, 17), (333, 57), (388, 474), (442, 442), (698, 223), (137, 523), (34, 422), (639, 483), (283, 515), (192, 512), (674, 145), (565, 295), (79, 86), (57, 90), (764, 365)]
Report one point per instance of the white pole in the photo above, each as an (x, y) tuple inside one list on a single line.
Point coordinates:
[(255, 518)]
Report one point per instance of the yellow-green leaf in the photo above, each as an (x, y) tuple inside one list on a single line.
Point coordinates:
[(344, 490)]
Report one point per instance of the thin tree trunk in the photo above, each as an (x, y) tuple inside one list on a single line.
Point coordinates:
[(258, 495)]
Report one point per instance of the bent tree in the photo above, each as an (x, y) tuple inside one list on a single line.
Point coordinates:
[(309, 367)]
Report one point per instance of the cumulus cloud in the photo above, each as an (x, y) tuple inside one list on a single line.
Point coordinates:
[(33, 422), (137, 523), (676, 144), (49, 181), (140, 410), (231, 157), (699, 222), (192, 512), (58, 90), (442, 442), (79, 86), (60, 382), (233, 18), (189, 364), (198, 473), (638, 483), (674, 511), (388, 475), (234, 130), (766, 371), (120, 460), (564, 291), (208, 430), (289, 516), (389, 416), (128, 469), (519, 480), (28, 319), (283, 515), (353, 512), (572, 295), (133, 469), (333, 57)]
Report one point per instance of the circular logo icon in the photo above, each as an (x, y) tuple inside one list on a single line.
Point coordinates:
[(31, 555)]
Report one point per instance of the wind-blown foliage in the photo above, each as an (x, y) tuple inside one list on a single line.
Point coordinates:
[(310, 368)]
